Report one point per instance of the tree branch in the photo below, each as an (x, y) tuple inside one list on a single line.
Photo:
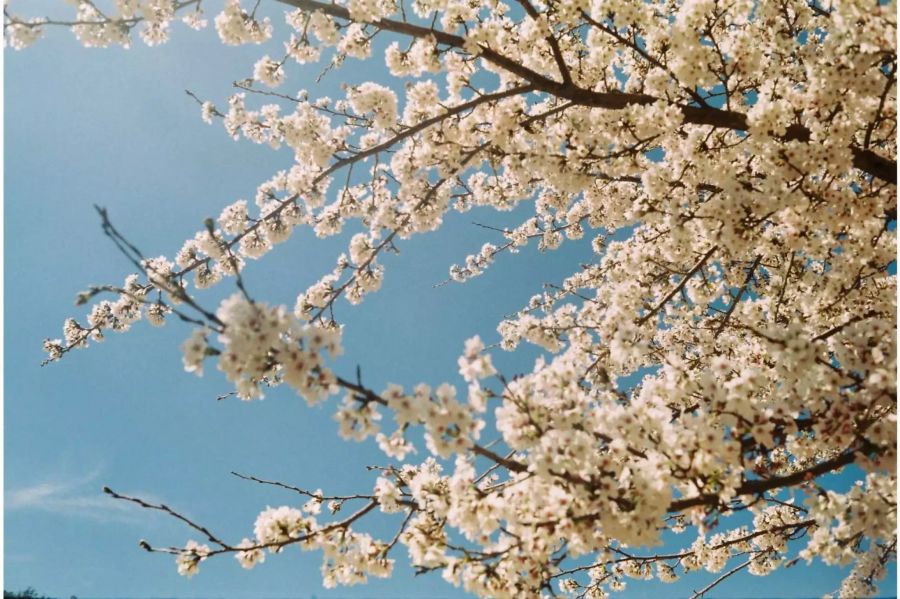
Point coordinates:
[(863, 159)]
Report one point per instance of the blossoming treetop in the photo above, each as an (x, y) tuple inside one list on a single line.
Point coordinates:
[(742, 153)]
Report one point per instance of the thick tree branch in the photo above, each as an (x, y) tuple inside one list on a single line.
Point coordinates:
[(755, 487)]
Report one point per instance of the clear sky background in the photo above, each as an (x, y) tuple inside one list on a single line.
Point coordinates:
[(114, 127)]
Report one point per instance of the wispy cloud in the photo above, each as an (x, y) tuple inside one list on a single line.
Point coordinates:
[(74, 496)]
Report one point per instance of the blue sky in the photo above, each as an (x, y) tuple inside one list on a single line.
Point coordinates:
[(115, 128)]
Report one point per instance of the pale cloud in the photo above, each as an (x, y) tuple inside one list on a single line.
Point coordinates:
[(79, 497)]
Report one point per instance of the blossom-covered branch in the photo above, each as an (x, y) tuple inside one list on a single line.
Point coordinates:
[(725, 345)]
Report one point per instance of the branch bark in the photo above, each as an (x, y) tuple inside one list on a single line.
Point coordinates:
[(755, 487)]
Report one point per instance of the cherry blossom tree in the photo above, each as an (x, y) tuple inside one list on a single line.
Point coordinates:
[(734, 164)]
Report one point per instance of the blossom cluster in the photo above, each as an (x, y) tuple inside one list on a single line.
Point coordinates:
[(263, 345)]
